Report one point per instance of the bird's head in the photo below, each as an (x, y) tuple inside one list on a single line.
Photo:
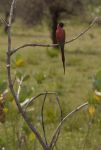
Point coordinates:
[(61, 25)]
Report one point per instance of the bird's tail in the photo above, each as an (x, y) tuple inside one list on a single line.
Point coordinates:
[(63, 56)]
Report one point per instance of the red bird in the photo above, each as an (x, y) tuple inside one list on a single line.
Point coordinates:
[(60, 37)]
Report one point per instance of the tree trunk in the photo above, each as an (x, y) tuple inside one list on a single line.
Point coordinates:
[(55, 17)]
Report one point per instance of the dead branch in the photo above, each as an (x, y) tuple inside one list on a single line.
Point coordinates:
[(64, 119), (42, 115), (19, 88), (54, 45), (58, 133), (83, 32), (43, 124), (28, 102)]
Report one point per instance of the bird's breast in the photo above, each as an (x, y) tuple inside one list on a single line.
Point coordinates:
[(60, 36)]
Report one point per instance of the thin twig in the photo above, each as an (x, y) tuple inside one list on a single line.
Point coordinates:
[(83, 32), (55, 140), (11, 12), (61, 117), (32, 45), (43, 124), (64, 119), (30, 101), (19, 88), (54, 45), (58, 101)]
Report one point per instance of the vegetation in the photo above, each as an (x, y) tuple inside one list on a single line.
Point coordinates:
[(44, 69)]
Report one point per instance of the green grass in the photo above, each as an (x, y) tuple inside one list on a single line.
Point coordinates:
[(44, 66)]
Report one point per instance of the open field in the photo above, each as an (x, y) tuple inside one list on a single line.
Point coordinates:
[(44, 66)]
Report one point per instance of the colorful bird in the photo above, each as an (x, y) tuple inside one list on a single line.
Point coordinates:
[(60, 37)]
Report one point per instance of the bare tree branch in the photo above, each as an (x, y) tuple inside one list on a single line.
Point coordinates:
[(19, 88), (28, 102), (83, 32), (64, 119), (11, 12), (58, 101), (53, 45), (58, 133), (43, 124)]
